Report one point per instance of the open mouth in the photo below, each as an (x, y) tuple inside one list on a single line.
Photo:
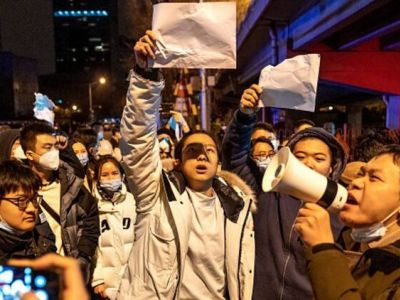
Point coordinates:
[(351, 200), (201, 168)]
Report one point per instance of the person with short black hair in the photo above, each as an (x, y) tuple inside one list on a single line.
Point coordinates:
[(370, 268), (266, 130), (69, 208), (19, 214), (194, 234), (261, 152), (302, 124), (369, 144)]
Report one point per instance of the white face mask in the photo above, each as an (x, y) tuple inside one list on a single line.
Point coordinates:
[(262, 163), (111, 185), (50, 160), (373, 232), (83, 158), (19, 153), (165, 145), (275, 143), (4, 225)]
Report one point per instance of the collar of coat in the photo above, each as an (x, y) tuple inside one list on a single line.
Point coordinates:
[(9, 242), (384, 259), (232, 191)]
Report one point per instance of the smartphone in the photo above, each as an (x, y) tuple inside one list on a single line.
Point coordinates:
[(16, 281)]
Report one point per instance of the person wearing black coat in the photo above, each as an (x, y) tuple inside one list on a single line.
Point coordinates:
[(24, 233), (68, 206)]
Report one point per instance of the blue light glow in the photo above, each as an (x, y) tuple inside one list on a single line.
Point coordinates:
[(79, 13), (40, 281), (42, 295)]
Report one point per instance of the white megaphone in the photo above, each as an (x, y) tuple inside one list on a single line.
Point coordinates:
[(286, 174)]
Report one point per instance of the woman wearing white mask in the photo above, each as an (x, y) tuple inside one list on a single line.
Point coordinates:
[(83, 155), (117, 218), (10, 145), (368, 265)]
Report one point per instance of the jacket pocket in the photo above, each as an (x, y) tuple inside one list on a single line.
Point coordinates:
[(161, 253)]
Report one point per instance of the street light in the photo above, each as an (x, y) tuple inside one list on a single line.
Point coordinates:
[(102, 80)]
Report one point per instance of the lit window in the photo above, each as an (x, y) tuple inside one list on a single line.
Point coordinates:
[(94, 39)]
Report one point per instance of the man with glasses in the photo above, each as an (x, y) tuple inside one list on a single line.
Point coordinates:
[(19, 214), (69, 208), (262, 151)]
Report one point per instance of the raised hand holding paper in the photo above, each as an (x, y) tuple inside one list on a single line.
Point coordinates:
[(195, 35), (291, 84)]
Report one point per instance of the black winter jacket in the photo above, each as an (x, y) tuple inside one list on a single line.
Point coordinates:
[(28, 245), (79, 218)]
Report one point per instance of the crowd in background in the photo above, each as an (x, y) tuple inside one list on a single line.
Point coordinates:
[(120, 200)]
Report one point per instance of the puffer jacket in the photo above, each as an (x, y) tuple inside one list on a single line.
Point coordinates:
[(164, 210), (280, 265), (117, 222), (346, 275), (79, 218)]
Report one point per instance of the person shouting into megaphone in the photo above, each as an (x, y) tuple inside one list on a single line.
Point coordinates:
[(280, 266), (372, 212)]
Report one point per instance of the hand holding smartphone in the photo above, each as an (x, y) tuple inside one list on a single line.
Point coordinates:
[(49, 277)]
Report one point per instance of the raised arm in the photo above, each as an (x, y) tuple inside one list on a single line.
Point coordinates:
[(139, 144), (237, 141)]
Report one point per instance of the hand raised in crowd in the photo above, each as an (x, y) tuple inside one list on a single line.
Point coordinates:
[(73, 285), (180, 120), (62, 141), (313, 225), (250, 98), (145, 48)]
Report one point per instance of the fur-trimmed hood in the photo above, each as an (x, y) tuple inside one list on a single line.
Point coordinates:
[(222, 181), (240, 185)]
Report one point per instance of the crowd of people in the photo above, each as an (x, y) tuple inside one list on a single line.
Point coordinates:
[(149, 215)]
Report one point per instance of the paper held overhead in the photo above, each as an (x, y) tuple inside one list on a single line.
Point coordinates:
[(195, 35), (291, 84)]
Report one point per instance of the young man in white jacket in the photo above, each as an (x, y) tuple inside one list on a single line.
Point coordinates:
[(194, 235)]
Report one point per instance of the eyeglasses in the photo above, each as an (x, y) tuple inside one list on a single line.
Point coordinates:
[(263, 154), (22, 202)]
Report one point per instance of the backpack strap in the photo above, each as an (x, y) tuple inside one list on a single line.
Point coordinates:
[(51, 211)]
